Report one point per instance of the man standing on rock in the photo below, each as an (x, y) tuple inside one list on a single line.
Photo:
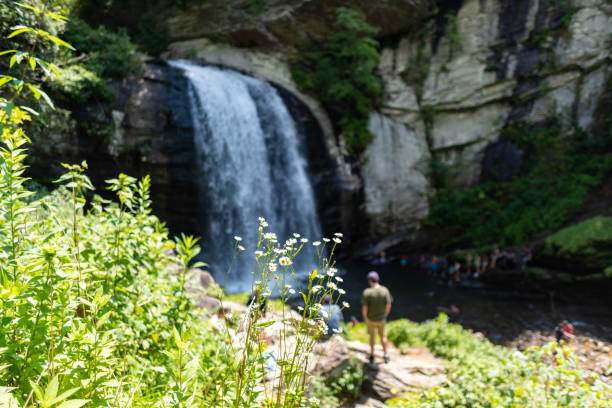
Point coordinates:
[(376, 305)]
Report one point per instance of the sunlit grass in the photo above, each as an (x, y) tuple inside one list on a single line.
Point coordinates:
[(242, 298), (359, 332)]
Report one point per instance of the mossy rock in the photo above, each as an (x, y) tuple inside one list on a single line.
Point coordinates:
[(586, 245)]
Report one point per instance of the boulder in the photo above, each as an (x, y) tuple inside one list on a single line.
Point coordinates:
[(414, 370), (329, 358), (365, 402), (234, 308), (208, 303), (204, 278)]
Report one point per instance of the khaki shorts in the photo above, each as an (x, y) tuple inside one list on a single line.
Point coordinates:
[(376, 326)]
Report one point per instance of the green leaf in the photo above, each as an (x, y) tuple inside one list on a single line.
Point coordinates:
[(27, 6), (38, 93), (56, 16), (56, 40), (51, 391), (63, 396), (20, 30), (5, 79), (75, 403), (37, 391), (264, 324), (103, 319), (8, 401), (8, 52), (30, 110)]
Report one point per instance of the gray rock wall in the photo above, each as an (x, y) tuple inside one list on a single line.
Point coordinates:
[(451, 86), (529, 60)]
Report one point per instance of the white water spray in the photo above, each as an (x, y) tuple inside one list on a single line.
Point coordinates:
[(251, 164)]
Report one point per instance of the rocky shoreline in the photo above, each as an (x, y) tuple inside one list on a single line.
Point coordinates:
[(415, 369)]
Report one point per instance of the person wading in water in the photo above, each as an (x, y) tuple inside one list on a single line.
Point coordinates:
[(376, 305)]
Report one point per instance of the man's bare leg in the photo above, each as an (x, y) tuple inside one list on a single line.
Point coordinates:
[(372, 341), (383, 341)]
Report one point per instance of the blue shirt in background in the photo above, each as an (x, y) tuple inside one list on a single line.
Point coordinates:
[(333, 319)]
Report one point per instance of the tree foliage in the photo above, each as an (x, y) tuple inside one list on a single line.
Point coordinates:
[(342, 73)]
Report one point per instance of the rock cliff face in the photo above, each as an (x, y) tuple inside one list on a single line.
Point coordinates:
[(498, 61), (454, 78), (456, 73), (283, 23)]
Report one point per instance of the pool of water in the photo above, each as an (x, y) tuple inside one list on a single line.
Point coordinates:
[(502, 311)]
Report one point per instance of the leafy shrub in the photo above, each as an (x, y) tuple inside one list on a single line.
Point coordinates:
[(482, 375), (345, 387), (342, 73), (78, 85), (107, 54), (101, 56)]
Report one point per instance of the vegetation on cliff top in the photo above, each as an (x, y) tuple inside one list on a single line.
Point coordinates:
[(81, 73), (342, 72)]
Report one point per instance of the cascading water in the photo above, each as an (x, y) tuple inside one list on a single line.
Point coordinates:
[(251, 164)]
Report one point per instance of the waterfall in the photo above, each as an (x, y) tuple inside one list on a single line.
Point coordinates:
[(251, 161)]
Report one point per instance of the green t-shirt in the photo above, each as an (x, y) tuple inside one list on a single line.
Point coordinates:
[(376, 299)]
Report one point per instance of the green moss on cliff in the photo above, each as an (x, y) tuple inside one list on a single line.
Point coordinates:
[(590, 241)]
